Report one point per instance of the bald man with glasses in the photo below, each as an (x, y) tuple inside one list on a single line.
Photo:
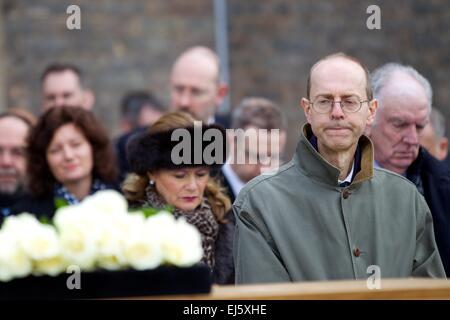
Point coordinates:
[(328, 214)]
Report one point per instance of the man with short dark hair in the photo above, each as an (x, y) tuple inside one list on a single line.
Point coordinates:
[(264, 118), (140, 109), (328, 214), (62, 85), (14, 128), (405, 98)]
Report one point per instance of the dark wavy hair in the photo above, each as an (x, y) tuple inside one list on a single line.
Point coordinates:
[(41, 179)]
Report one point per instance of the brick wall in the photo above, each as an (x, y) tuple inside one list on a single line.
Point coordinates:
[(274, 43), (129, 45)]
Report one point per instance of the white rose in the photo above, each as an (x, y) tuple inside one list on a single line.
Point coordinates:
[(79, 245), (111, 262), (127, 224), (142, 250), (40, 242), (77, 214), (65, 216), (110, 243), (116, 230), (184, 246), (180, 241), (14, 263), (19, 225), (161, 223), (50, 266), (106, 202), (79, 232)]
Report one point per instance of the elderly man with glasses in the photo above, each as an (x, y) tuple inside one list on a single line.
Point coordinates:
[(328, 214)]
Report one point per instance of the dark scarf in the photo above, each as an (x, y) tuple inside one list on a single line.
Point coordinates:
[(202, 218)]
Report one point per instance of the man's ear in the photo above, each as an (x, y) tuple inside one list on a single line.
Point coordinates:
[(373, 105), (222, 91), (304, 103), (89, 99), (372, 111), (443, 148)]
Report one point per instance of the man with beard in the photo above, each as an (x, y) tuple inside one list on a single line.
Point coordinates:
[(14, 127)]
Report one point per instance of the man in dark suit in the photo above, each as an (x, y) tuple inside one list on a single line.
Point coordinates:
[(64, 85), (14, 127), (405, 100), (139, 110), (196, 87), (253, 113)]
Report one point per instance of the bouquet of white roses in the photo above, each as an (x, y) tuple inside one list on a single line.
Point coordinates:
[(98, 233)]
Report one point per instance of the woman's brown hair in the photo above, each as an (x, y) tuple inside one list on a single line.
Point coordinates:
[(135, 184), (41, 179)]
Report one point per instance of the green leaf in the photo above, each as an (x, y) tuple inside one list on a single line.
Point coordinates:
[(149, 211), (169, 208), (45, 220), (61, 203)]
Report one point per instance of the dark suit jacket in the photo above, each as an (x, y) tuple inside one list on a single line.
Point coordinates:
[(40, 207), (7, 203), (432, 177), (223, 272), (223, 120), (121, 151)]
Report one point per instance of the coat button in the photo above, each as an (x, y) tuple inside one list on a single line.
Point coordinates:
[(345, 193), (356, 252)]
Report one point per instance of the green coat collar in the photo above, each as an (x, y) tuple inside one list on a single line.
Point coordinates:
[(312, 164)]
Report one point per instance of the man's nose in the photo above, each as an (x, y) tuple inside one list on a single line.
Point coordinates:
[(336, 110), (185, 99), (6, 160), (59, 101), (411, 136)]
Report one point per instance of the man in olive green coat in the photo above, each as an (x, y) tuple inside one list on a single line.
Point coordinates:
[(328, 214)]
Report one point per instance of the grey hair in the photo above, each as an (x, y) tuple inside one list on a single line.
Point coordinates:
[(437, 121), (381, 76)]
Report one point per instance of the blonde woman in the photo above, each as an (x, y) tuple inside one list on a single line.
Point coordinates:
[(156, 181)]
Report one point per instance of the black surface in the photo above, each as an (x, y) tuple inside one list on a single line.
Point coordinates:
[(110, 284)]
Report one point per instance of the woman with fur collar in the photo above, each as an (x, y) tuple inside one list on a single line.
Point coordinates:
[(156, 181)]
